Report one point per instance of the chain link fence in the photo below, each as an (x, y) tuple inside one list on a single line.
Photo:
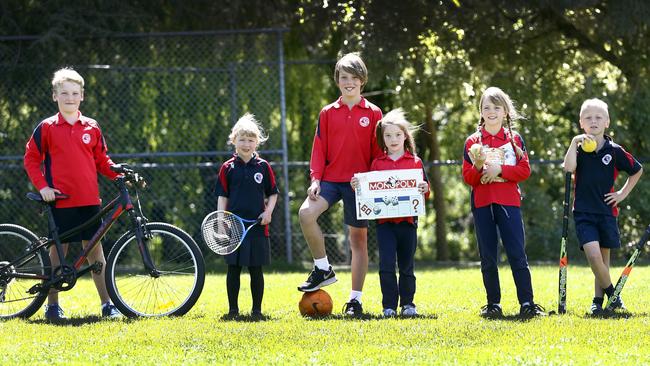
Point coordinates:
[(165, 102)]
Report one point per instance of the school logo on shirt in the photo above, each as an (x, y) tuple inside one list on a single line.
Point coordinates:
[(364, 121), (258, 177), (606, 159), (85, 138)]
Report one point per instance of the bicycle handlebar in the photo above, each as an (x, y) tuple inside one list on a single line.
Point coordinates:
[(129, 175)]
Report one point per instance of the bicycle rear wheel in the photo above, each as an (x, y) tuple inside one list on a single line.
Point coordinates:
[(172, 290), (15, 300)]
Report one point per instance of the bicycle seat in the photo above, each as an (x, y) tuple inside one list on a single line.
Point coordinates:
[(37, 196)]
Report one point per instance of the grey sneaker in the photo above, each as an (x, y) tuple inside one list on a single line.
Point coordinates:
[(389, 313), (409, 310)]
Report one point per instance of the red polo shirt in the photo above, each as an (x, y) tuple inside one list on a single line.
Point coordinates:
[(344, 143), (406, 161), (504, 193), (67, 157)]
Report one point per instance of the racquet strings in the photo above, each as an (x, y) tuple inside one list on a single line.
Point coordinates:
[(223, 232)]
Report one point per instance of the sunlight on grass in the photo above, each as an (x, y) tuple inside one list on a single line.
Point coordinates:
[(450, 330)]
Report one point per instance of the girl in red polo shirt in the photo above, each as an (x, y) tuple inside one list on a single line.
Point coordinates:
[(397, 237), (494, 162)]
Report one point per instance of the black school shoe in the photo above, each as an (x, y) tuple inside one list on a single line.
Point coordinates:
[(353, 308), (531, 310), (318, 278), (491, 311)]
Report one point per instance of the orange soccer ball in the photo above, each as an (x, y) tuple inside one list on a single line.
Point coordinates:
[(315, 304)]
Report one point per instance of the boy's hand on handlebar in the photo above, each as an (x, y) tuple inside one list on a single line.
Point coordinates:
[(49, 194)]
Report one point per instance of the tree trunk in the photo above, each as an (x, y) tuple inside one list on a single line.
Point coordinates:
[(435, 179)]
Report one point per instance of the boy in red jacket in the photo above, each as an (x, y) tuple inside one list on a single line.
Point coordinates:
[(63, 155)]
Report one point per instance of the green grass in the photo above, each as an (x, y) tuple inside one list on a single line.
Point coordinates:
[(450, 331)]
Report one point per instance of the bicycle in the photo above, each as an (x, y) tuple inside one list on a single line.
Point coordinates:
[(154, 269)]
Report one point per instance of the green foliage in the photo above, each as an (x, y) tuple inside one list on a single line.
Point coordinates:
[(432, 58), (449, 331)]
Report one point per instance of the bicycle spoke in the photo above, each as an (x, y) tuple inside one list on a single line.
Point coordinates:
[(174, 287)]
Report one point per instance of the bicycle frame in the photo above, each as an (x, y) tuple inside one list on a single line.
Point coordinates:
[(120, 204)]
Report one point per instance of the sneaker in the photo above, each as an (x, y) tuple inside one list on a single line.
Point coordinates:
[(409, 310), (491, 311), (596, 306), (617, 304), (353, 308), (257, 315), (54, 312), (596, 309), (318, 278), (531, 310), (110, 311), (389, 313)]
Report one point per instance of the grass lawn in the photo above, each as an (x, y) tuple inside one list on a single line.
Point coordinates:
[(449, 331)]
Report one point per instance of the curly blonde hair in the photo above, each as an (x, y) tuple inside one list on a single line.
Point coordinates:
[(247, 125)]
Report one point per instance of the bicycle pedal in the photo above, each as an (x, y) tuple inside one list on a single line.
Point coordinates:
[(97, 267)]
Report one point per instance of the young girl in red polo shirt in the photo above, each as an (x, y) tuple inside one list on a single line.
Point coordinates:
[(494, 162), (397, 237)]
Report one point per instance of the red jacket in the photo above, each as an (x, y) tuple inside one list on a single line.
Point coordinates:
[(406, 161), (67, 157), (514, 170), (345, 142)]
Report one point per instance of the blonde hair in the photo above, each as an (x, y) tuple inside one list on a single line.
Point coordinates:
[(66, 74), (498, 97), (247, 125), (396, 117), (594, 102), (353, 64)]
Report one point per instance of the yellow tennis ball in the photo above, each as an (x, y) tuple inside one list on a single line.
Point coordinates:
[(589, 145), (475, 150)]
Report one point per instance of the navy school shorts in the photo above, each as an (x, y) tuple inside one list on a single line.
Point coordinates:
[(71, 217), (597, 227), (333, 192)]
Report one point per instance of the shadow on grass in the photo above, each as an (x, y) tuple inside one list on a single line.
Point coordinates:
[(515, 318), (75, 322), (369, 317), (616, 315), (247, 318)]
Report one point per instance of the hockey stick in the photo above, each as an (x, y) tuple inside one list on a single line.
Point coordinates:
[(628, 268), (564, 260)]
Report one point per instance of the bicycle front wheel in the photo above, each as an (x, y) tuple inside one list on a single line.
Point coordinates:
[(17, 278), (171, 289)]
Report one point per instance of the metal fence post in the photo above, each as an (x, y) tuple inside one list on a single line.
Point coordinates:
[(285, 157)]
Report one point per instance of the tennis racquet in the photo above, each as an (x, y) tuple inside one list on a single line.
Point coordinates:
[(564, 259), (628, 268), (223, 231)]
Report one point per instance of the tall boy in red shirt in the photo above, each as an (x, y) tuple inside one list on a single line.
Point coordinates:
[(344, 144), (63, 155)]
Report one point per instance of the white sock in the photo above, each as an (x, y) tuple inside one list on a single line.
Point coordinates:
[(322, 263), (355, 295), (525, 304), (106, 304)]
